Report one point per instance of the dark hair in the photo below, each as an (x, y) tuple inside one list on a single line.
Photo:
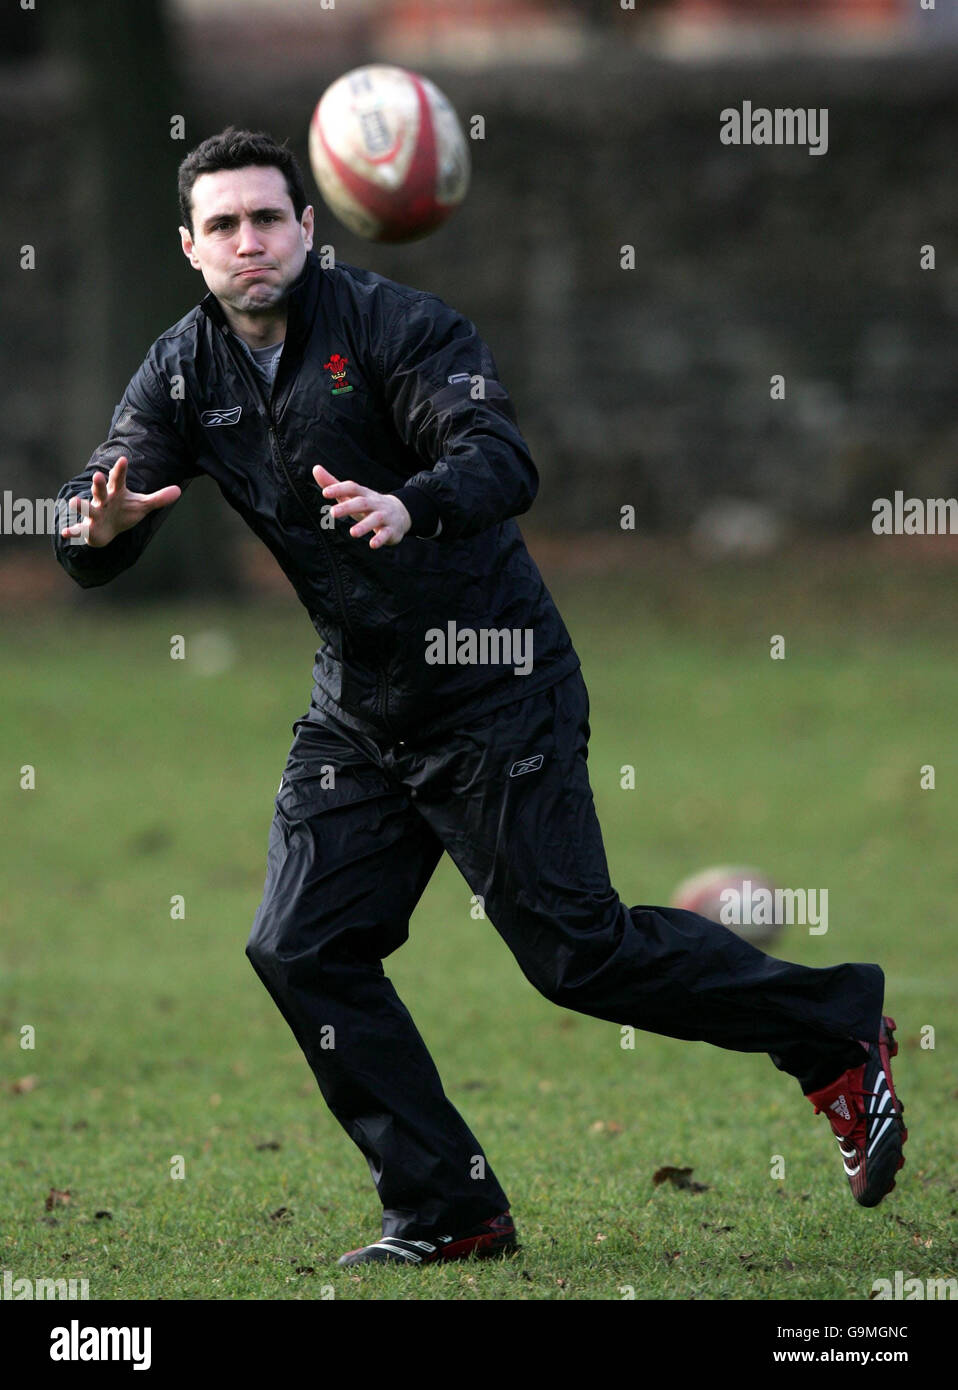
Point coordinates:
[(238, 149)]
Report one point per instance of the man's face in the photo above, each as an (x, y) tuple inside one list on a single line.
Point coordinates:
[(246, 239)]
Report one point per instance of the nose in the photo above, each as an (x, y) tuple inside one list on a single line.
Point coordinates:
[(249, 243)]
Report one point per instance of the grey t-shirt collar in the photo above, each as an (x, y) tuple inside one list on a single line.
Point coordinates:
[(264, 359)]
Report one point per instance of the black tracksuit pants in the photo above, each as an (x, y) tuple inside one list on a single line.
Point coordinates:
[(359, 827)]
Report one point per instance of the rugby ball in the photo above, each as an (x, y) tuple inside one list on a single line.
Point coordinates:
[(742, 899), (388, 153)]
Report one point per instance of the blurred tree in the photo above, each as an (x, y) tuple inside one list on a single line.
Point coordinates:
[(129, 280)]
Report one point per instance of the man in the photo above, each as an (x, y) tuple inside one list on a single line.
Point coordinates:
[(447, 702)]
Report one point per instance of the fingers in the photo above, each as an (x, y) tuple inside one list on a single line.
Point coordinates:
[(72, 528), (78, 517), (353, 506), (346, 490), (354, 500), (373, 521), (111, 507), (117, 478), (385, 532), (161, 498), (102, 488), (365, 503)]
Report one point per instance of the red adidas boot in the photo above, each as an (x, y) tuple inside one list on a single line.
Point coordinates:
[(865, 1115)]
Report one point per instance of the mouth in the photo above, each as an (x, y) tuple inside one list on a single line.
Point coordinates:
[(252, 270)]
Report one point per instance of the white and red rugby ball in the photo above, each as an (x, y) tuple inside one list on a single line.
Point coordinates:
[(725, 894), (388, 153)]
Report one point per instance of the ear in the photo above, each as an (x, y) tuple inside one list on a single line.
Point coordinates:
[(189, 250), (307, 227)]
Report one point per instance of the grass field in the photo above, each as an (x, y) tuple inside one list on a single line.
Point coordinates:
[(154, 1038)]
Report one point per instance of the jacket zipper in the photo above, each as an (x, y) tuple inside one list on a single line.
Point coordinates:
[(277, 453), (333, 565), (381, 678)]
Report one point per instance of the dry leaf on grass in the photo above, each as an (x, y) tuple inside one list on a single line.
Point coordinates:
[(678, 1177)]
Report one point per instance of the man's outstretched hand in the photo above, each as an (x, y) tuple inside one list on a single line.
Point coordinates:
[(113, 508), (380, 512)]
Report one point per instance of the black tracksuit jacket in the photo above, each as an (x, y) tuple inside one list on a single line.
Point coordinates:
[(426, 418)]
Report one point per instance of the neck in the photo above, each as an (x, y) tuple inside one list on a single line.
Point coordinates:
[(257, 330)]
